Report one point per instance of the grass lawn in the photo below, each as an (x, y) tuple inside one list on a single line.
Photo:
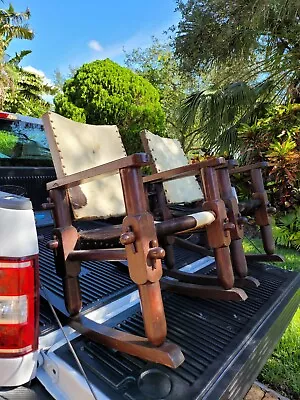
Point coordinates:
[(282, 370)]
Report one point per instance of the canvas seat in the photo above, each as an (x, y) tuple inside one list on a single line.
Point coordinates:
[(96, 180), (174, 198)]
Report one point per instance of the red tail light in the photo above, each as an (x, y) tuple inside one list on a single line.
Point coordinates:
[(19, 306), (5, 115)]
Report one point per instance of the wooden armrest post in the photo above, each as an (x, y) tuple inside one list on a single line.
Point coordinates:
[(66, 236), (261, 213), (143, 254), (217, 232), (237, 253)]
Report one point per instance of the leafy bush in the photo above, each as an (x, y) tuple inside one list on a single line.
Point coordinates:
[(276, 138), (102, 92), (287, 230)]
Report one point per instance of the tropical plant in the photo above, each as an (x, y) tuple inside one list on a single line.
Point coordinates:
[(27, 96), (102, 92), (276, 138), (219, 112), (13, 25), (287, 229), (249, 51), (285, 162)]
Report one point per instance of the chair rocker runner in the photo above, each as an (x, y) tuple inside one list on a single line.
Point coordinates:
[(170, 193)]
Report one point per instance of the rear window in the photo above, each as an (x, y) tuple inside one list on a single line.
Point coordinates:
[(23, 143)]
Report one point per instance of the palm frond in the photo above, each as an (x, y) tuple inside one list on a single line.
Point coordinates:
[(218, 112), (18, 57)]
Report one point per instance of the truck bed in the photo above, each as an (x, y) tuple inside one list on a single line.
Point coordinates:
[(225, 344)]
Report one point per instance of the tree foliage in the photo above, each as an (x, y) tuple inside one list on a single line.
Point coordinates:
[(159, 66), (27, 95), (102, 92), (265, 34), (12, 25), (218, 112), (248, 51), (20, 91)]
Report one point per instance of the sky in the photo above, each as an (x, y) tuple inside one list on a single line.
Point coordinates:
[(74, 32)]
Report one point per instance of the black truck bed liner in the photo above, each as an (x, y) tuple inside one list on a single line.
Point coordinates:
[(225, 344)]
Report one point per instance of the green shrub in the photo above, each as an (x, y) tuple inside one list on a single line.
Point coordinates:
[(102, 92), (287, 229)]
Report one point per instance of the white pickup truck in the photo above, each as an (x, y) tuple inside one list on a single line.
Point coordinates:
[(225, 344)]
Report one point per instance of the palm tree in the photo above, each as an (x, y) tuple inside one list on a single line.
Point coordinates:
[(12, 25), (250, 54)]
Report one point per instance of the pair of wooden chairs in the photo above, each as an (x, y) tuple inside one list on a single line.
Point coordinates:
[(97, 180)]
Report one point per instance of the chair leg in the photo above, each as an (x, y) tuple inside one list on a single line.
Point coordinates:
[(72, 294), (66, 237), (224, 267), (237, 253), (261, 213), (238, 258), (168, 245), (153, 312), (217, 233), (144, 260)]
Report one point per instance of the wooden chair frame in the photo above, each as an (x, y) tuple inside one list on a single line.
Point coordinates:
[(141, 251), (259, 206)]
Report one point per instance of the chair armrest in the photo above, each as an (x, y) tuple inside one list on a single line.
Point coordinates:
[(181, 172), (135, 160), (246, 168)]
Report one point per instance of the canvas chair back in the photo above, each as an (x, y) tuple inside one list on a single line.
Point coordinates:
[(167, 154), (76, 147)]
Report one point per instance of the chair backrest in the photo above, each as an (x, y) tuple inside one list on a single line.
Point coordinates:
[(76, 147), (167, 154)]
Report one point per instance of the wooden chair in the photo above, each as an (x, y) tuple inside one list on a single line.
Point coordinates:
[(96, 180), (168, 154)]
